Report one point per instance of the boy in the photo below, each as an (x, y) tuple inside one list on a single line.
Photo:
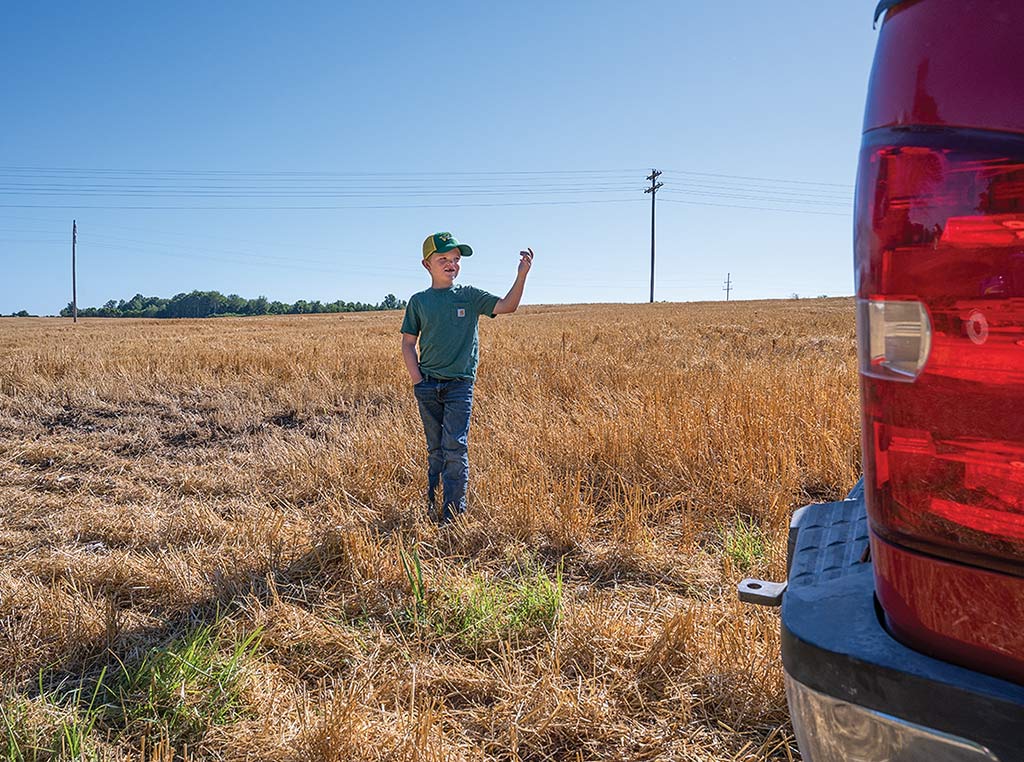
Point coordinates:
[(444, 319)]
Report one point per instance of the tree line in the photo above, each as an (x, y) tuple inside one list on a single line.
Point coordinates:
[(203, 304)]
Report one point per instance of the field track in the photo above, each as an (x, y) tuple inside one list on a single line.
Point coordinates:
[(213, 543)]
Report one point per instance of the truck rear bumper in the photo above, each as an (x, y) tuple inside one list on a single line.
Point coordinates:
[(856, 693)]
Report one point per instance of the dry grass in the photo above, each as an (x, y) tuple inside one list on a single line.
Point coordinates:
[(214, 546)]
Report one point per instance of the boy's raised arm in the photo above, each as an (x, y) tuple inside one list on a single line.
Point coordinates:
[(510, 302)]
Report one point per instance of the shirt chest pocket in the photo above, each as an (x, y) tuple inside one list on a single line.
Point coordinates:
[(460, 312)]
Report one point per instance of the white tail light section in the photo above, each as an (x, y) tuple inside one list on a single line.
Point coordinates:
[(895, 338)]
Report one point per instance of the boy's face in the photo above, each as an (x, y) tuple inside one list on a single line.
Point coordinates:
[(443, 268)]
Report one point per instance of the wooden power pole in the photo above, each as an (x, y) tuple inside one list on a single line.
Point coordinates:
[(728, 285), (653, 190), (74, 280)]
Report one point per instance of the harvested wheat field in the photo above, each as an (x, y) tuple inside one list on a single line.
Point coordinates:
[(214, 545)]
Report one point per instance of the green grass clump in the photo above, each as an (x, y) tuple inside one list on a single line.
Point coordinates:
[(744, 543), (479, 611), (173, 693), (186, 687), (42, 731)]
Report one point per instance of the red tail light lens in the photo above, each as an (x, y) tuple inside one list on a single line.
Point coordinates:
[(940, 285)]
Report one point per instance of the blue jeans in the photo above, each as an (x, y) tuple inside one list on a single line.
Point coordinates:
[(445, 406)]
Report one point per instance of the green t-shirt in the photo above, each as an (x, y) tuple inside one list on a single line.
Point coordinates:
[(445, 319)]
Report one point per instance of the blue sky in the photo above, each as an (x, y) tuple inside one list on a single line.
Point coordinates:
[(303, 151)]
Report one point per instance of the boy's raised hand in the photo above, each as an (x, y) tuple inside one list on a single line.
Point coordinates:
[(510, 302), (525, 260)]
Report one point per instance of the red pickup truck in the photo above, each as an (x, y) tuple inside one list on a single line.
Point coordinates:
[(903, 611)]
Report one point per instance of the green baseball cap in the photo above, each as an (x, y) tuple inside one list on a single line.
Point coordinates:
[(438, 243)]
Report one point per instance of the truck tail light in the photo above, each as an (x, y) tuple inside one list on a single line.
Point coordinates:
[(895, 337), (939, 255)]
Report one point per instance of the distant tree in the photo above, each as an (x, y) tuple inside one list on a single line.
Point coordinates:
[(237, 305), (197, 304), (218, 303), (184, 305), (170, 308), (134, 305), (392, 302), (258, 306)]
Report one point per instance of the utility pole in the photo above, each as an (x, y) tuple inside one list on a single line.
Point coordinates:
[(653, 190), (74, 282), (728, 285)]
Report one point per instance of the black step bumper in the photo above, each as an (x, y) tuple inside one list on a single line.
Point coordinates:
[(841, 661)]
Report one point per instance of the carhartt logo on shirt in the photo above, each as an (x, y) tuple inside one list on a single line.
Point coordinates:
[(460, 312)]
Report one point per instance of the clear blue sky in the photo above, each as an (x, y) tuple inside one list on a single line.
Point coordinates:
[(183, 136)]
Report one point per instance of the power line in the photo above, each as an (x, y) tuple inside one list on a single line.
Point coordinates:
[(298, 174), (702, 189), (256, 194), (301, 173), (335, 207), (762, 190), (761, 198), (33, 240), (289, 178), (286, 190), (762, 179), (177, 233), (248, 259), (759, 208)]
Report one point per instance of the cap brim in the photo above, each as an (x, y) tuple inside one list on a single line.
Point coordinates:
[(465, 250)]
